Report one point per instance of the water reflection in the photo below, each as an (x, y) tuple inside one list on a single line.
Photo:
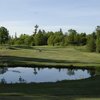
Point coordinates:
[(35, 71), (28, 75), (92, 72), (3, 81), (21, 80), (3, 70), (70, 72)]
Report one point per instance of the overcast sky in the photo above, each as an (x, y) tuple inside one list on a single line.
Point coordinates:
[(22, 15)]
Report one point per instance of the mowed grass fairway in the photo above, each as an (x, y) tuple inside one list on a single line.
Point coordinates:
[(49, 56), (87, 89)]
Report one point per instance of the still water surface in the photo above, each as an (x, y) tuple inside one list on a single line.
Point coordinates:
[(28, 75)]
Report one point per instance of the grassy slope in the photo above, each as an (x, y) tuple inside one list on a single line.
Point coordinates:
[(50, 56), (71, 90)]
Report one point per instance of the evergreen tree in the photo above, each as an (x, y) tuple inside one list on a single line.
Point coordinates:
[(98, 45), (65, 40), (71, 38), (83, 39), (36, 27), (4, 35), (58, 38), (51, 40), (91, 45), (98, 39), (32, 41), (77, 39), (39, 39)]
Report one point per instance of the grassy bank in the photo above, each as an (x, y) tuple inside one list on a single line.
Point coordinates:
[(48, 56), (88, 89)]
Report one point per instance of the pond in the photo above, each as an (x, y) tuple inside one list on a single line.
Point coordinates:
[(37, 75)]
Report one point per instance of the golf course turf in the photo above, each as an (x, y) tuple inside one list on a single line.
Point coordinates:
[(41, 56)]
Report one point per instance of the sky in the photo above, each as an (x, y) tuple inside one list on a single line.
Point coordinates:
[(21, 16)]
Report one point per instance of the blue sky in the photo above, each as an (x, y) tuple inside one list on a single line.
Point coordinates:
[(22, 15)]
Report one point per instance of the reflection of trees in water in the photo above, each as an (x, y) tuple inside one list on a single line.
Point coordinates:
[(70, 72), (59, 69), (3, 81), (97, 71), (21, 80), (83, 70), (39, 69), (35, 71), (3, 70), (91, 72)]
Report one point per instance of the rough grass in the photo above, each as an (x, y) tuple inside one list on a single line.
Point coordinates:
[(45, 98), (48, 56), (88, 89)]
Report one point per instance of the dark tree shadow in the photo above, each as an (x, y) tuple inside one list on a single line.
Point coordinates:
[(21, 59)]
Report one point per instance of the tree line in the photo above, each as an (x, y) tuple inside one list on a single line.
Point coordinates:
[(58, 38)]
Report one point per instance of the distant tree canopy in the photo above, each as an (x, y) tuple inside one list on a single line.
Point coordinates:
[(58, 38), (55, 38)]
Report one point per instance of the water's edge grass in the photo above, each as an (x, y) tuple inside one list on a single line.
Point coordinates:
[(71, 90)]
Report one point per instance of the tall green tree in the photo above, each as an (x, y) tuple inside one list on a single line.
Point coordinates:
[(58, 38), (98, 45), (71, 38), (65, 40), (39, 38), (98, 31), (4, 35), (77, 39), (51, 40), (98, 39), (83, 39), (91, 44)]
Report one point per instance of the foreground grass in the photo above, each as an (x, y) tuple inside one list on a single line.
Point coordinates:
[(88, 89), (48, 56), (45, 98)]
